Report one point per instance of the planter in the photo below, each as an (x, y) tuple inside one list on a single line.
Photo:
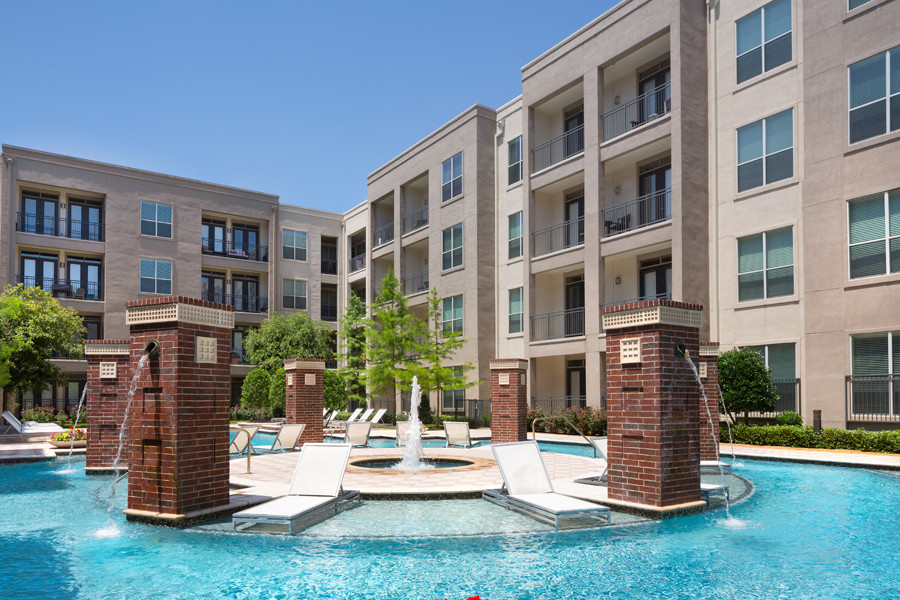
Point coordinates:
[(78, 444)]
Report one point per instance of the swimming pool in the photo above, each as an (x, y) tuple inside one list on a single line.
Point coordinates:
[(811, 532)]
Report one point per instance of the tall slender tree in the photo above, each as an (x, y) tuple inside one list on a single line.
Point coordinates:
[(352, 350), (440, 347)]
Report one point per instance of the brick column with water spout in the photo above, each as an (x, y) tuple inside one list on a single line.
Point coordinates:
[(305, 396), (179, 469), (108, 378), (653, 405)]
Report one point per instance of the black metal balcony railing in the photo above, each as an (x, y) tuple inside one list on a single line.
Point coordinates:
[(555, 325), (329, 267), (357, 263), (559, 148), (646, 107), (59, 227), (243, 303), (416, 219), (640, 212), (77, 289), (873, 398), (383, 235), (788, 391), (329, 312), (558, 404), (232, 249), (558, 237), (414, 284)]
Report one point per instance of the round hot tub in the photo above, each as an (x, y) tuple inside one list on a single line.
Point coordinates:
[(429, 463)]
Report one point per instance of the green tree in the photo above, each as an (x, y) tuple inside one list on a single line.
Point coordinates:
[(352, 337), (335, 391), (746, 383), (283, 337), (33, 326), (255, 391), (439, 348), (394, 341), (277, 391)]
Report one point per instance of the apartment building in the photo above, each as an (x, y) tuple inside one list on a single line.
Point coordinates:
[(740, 155)]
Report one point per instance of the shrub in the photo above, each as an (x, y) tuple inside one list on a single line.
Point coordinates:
[(277, 392), (591, 421), (255, 390), (789, 417), (440, 419), (485, 421), (806, 437), (425, 414), (335, 395), (745, 382), (240, 413), (39, 414)]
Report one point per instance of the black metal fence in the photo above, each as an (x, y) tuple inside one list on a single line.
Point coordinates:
[(872, 398)]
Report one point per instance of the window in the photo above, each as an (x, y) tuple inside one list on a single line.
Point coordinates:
[(294, 293), (156, 219), (780, 359), (245, 294), (452, 248), (763, 39), (293, 244), (875, 361), (39, 213), (766, 150), (453, 314), (39, 270), (875, 234), (856, 4), (246, 243), (84, 278), (875, 95), (85, 219), (454, 400), (212, 236), (156, 276), (515, 310), (514, 173), (328, 309), (93, 328), (766, 265), (329, 255), (515, 235), (451, 177)]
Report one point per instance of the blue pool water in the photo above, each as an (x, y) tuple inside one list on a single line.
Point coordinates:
[(808, 532)]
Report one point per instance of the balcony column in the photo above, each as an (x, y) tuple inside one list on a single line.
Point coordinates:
[(593, 263)]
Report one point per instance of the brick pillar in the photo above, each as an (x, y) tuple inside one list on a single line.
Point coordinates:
[(653, 403), (179, 422), (305, 397), (509, 400), (708, 365), (108, 380)]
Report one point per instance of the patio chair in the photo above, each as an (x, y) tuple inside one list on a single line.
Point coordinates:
[(287, 437), (353, 416), (529, 490), (357, 434), (402, 433), (315, 490), (377, 416), (30, 427), (457, 433), (365, 416), (242, 442), (327, 420)]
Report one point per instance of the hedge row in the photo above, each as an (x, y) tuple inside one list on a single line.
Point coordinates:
[(591, 421), (806, 437)]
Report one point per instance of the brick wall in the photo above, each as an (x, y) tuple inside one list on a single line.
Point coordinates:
[(709, 433), (509, 400), (304, 398), (105, 404)]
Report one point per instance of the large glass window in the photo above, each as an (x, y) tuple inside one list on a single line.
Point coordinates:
[(39, 270), (875, 95), (515, 310), (453, 314), (294, 293), (515, 235), (156, 219), (514, 172), (766, 265), (452, 253), (874, 223), (213, 236), (39, 213), (875, 367), (212, 286), (84, 278), (85, 219), (764, 39), (451, 177), (245, 294), (766, 150), (856, 4), (293, 244), (156, 276), (454, 400)]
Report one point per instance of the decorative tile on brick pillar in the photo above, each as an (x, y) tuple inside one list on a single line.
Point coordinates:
[(653, 403), (509, 402), (108, 380), (179, 417), (708, 366), (305, 396)]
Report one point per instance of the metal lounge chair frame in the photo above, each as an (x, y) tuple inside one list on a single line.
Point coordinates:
[(357, 434), (243, 439), (457, 434), (287, 437)]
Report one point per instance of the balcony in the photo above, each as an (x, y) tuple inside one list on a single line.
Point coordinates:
[(643, 109), (557, 325), (640, 212), (358, 262), (79, 230), (383, 235), (873, 398), (231, 249), (415, 283), (328, 312), (329, 267), (240, 302), (76, 289), (415, 220), (558, 237), (559, 148)]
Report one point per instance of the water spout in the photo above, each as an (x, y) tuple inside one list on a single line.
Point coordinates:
[(152, 349), (413, 453), (139, 369)]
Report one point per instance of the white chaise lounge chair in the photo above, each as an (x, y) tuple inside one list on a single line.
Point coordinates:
[(30, 427), (287, 437), (365, 416), (241, 441), (352, 417), (315, 489), (377, 416), (403, 433), (529, 489), (457, 433), (327, 420), (357, 434)]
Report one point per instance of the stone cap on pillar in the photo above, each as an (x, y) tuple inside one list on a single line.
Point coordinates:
[(652, 312), (508, 363), (106, 347), (179, 309), (709, 348), (303, 363)]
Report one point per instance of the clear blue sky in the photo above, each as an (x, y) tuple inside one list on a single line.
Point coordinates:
[(298, 99)]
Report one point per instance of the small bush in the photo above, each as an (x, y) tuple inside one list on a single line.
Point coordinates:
[(485, 421), (39, 414), (591, 421), (255, 389), (440, 419), (805, 437), (789, 417), (242, 413)]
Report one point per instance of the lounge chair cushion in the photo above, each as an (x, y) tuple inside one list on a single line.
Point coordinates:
[(286, 507), (557, 503)]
